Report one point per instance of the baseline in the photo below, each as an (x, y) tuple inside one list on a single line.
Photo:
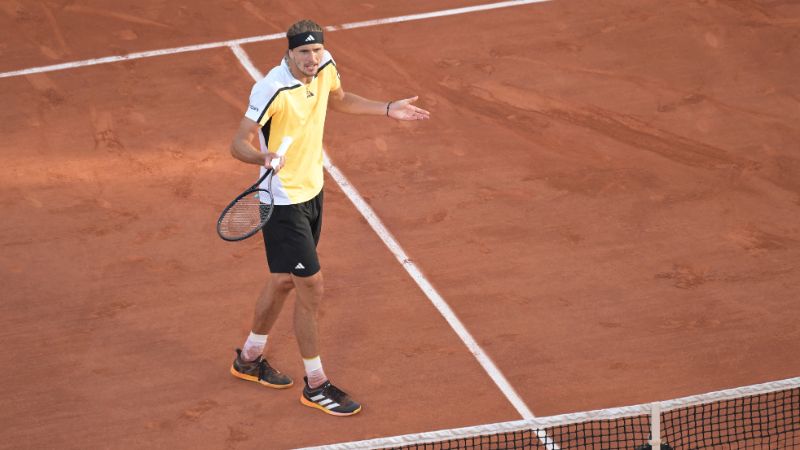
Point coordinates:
[(267, 37)]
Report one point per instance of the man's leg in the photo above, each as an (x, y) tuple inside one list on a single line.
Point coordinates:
[(270, 301), (319, 393), (250, 364), (309, 297), (268, 306)]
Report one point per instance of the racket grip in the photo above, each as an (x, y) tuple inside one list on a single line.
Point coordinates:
[(285, 143), (274, 163)]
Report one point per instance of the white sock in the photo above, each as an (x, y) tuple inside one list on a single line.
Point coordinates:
[(254, 346), (316, 376)]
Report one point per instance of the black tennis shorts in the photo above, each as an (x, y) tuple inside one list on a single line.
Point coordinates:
[(291, 237)]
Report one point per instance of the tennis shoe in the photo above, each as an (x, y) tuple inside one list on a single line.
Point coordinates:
[(260, 372), (329, 399)]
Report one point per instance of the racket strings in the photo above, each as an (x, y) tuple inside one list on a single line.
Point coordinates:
[(245, 216)]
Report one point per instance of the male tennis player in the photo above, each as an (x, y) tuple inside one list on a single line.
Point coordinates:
[(292, 100)]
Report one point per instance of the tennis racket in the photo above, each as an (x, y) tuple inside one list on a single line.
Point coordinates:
[(251, 210)]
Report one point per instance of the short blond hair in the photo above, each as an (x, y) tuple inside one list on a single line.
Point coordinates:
[(303, 26)]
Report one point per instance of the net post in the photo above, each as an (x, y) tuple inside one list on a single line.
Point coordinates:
[(655, 426)]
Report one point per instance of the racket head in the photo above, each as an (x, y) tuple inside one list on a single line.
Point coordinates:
[(245, 215)]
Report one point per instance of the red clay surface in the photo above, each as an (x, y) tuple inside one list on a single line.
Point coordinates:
[(607, 196)]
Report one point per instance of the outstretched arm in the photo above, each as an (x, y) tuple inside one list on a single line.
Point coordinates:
[(354, 104)]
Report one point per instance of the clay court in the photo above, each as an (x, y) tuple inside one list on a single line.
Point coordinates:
[(606, 196)]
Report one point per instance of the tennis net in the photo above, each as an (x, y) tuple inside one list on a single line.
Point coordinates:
[(763, 416)]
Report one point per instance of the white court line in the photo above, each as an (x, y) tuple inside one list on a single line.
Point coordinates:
[(412, 269), (139, 55), (426, 287), (241, 55), (267, 37), (361, 205)]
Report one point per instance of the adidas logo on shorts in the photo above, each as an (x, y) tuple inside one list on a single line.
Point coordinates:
[(299, 266)]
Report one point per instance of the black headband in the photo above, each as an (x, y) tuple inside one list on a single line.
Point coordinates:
[(305, 38)]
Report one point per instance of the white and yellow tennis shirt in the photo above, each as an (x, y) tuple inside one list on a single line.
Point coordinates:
[(283, 106)]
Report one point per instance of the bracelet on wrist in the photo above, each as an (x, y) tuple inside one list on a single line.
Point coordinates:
[(387, 108)]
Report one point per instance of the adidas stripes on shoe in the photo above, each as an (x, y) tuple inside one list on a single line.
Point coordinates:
[(329, 399)]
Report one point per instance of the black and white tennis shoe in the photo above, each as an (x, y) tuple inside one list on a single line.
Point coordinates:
[(329, 399)]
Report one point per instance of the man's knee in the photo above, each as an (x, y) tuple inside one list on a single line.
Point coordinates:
[(313, 286), (281, 282)]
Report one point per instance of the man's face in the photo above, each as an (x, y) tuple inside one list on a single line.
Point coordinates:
[(306, 58)]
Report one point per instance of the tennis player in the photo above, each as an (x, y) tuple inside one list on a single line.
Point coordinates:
[(292, 100)]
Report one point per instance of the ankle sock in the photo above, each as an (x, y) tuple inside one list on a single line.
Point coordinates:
[(314, 373), (254, 346)]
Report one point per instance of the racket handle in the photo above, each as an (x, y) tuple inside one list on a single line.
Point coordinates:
[(285, 143)]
